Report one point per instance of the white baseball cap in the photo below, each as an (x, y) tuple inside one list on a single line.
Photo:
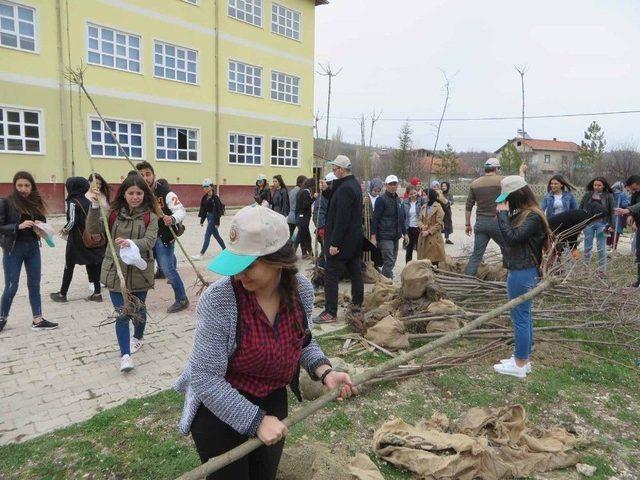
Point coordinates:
[(330, 177), (262, 176), (255, 231), (207, 182), (391, 179), (509, 185), (342, 161), (492, 163), (130, 254)]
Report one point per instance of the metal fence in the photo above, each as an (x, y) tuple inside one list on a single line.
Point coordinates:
[(462, 189)]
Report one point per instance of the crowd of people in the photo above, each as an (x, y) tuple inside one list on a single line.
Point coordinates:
[(253, 329)]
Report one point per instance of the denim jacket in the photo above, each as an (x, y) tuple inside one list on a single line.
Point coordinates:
[(569, 202), (406, 208)]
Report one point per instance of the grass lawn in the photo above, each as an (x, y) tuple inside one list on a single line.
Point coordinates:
[(139, 440)]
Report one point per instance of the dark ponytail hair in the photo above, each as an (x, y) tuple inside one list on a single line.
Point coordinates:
[(432, 196), (32, 204), (606, 189), (286, 259)]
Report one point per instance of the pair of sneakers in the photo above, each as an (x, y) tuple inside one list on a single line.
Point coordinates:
[(126, 362), (508, 366)]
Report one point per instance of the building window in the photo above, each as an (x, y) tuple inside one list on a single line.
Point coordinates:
[(17, 26), (565, 159), (175, 63), (192, 2), (177, 143), (285, 88), (285, 152), (245, 78), (114, 49), (20, 131), (547, 159), (249, 11), (245, 149), (285, 21), (104, 145)]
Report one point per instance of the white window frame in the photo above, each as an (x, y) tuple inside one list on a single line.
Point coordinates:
[(6, 136), (273, 154), (278, 93), (197, 150), (16, 30), (118, 155), (278, 10), (547, 159), (253, 135), (176, 60), (244, 20), (114, 54), (195, 3), (244, 84)]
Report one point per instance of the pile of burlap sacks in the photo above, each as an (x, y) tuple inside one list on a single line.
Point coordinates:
[(491, 272), (419, 293)]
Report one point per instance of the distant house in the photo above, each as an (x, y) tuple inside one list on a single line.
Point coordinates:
[(548, 156)]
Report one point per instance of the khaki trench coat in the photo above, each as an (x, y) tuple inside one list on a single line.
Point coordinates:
[(431, 247)]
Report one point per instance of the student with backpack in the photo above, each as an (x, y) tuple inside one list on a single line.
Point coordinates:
[(525, 230), (82, 248), (211, 210), (20, 214), (133, 225), (598, 201)]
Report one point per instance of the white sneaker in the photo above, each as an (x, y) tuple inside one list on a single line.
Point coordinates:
[(510, 369), (126, 364), (135, 344), (196, 257), (512, 360)]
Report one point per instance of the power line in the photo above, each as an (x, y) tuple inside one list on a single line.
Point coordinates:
[(485, 119)]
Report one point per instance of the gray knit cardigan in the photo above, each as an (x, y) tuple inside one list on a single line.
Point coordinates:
[(203, 379)]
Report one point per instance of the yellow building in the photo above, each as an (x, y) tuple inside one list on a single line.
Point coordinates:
[(199, 88)]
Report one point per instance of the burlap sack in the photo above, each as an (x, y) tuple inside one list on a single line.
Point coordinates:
[(492, 272), (380, 294), (315, 461), (362, 468), (442, 306), (417, 276), (452, 265), (389, 333), (374, 316), (311, 389), (372, 276), (446, 325)]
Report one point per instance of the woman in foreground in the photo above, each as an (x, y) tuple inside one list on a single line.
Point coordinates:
[(253, 333)]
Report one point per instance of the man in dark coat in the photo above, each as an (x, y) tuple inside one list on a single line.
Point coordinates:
[(343, 239), (387, 225)]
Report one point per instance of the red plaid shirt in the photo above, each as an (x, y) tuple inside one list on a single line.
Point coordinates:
[(267, 356)]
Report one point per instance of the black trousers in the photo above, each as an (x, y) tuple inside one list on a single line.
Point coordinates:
[(213, 437), (304, 235), (332, 272), (413, 233), (93, 273)]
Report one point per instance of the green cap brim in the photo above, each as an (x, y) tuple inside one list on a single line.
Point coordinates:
[(228, 263), (502, 198)]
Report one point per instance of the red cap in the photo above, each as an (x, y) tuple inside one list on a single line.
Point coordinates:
[(415, 181)]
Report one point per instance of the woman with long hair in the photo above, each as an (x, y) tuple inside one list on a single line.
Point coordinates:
[(524, 228), (20, 214), (253, 334), (598, 201), (446, 199), (77, 253), (411, 207), (280, 196), (431, 223), (559, 197), (262, 193), (304, 204), (134, 227), (103, 189), (211, 210)]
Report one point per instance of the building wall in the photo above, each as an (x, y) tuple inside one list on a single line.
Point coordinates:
[(33, 80), (556, 163)]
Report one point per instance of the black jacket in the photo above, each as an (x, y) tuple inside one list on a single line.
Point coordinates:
[(523, 244), (304, 202), (604, 207), (388, 217), (280, 202), (211, 204), (9, 221), (262, 195), (343, 228)]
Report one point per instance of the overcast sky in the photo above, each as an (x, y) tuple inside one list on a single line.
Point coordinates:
[(582, 56)]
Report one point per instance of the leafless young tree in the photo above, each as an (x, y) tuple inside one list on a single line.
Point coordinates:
[(447, 90)]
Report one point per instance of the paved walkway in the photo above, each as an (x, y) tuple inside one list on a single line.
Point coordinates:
[(52, 379)]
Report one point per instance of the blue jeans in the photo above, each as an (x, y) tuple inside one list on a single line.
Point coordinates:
[(29, 254), (211, 230), (122, 322), (520, 282), (596, 229), (485, 229), (168, 264)]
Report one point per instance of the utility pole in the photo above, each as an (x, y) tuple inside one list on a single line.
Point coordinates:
[(521, 71), (327, 71)]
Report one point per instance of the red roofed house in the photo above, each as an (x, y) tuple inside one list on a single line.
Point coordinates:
[(549, 156)]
